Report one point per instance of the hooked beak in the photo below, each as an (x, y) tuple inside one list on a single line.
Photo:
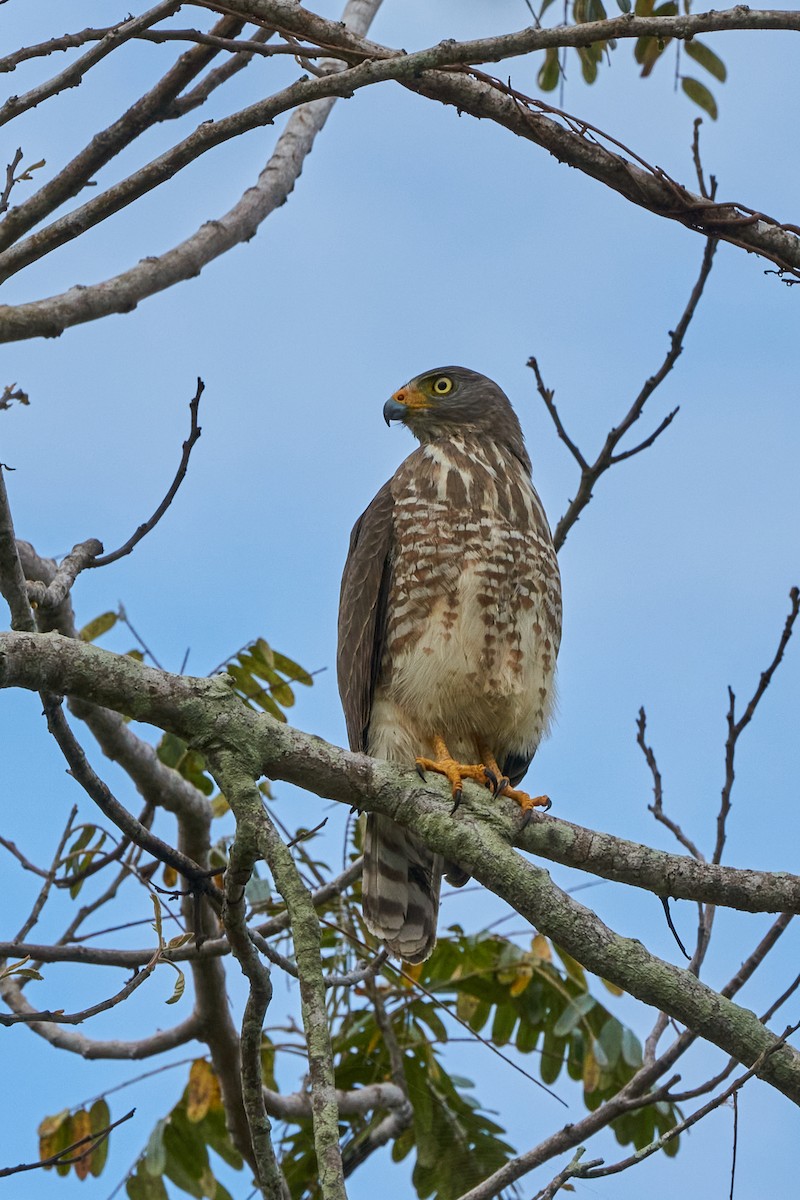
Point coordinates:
[(394, 411), (405, 399)]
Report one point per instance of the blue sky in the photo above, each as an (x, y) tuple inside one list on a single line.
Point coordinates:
[(417, 238)]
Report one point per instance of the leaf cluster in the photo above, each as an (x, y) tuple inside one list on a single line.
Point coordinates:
[(64, 1129), (647, 50), (178, 1148)]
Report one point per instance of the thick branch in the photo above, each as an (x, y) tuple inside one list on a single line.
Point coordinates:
[(568, 139), (206, 713), (200, 708)]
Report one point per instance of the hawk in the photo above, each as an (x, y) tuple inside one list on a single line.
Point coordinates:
[(449, 627)]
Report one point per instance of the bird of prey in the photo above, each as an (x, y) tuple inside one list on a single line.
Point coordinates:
[(449, 627)]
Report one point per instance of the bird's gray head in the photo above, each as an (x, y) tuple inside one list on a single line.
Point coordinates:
[(454, 401)]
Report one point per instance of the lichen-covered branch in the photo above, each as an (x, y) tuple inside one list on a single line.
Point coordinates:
[(208, 714), (257, 837)]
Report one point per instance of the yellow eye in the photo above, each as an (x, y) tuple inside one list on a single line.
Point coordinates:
[(442, 385)]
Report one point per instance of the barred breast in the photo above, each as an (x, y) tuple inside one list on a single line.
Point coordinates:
[(474, 610)]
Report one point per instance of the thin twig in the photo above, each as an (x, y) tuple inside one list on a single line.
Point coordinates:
[(736, 728), (63, 1156), (609, 456), (682, 1126), (144, 529), (82, 772), (49, 879), (657, 807)]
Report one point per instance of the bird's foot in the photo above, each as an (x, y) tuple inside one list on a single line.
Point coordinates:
[(527, 803), (454, 771), (500, 785)]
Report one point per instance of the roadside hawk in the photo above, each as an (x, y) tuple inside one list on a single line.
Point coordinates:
[(449, 626)]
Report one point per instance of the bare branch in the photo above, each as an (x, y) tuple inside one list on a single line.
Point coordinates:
[(67, 1155), (657, 807), (589, 1172), (11, 179), (736, 728), (49, 879), (55, 593), (12, 579), (198, 877), (608, 455), (59, 1017), (72, 75), (548, 395), (149, 109), (214, 79), (144, 529)]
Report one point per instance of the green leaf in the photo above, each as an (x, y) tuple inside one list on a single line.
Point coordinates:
[(505, 1019), (155, 1155), (631, 1048), (611, 1041), (552, 1056), (624, 5), (576, 1009), (550, 71), (588, 64), (99, 626), (291, 669), (705, 56), (100, 1119), (700, 95)]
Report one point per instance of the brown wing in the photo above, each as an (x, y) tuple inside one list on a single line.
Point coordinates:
[(362, 613)]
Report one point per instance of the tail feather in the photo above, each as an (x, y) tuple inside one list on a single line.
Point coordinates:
[(401, 884)]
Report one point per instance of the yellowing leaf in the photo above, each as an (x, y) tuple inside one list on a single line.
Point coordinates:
[(170, 877), (97, 627), (180, 984), (81, 1128), (541, 948), (591, 1071), (203, 1090), (524, 976)]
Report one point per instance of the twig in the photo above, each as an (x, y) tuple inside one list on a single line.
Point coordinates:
[(614, 1169), (569, 1172), (144, 529), (360, 974), (73, 74), (95, 1139), (49, 879), (22, 860), (11, 179), (122, 615), (214, 79), (736, 728), (82, 772), (608, 456), (665, 905), (59, 1017), (657, 807)]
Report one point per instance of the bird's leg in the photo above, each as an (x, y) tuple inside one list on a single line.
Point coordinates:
[(454, 771), (501, 785)]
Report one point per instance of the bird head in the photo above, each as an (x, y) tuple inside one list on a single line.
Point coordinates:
[(454, 401)]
